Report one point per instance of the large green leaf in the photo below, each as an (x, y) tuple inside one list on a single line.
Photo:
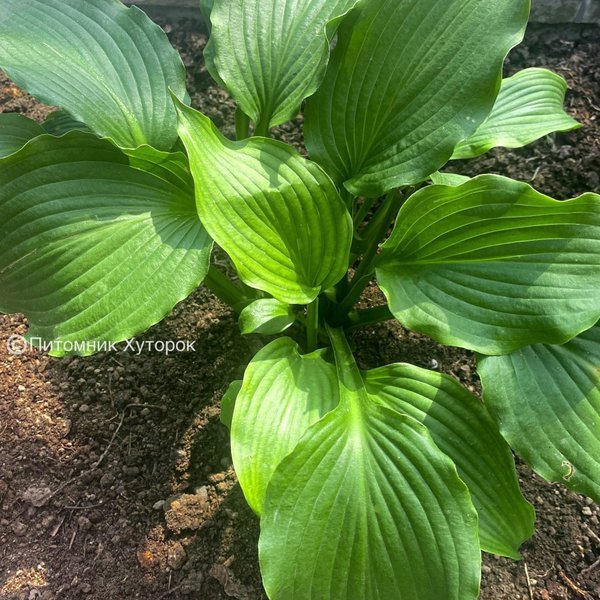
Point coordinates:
[(108, 65), (93, 248), (408, 81), (366, 506), (546, 399), (15, 131), (277, 215), (283, 393), (271, 54), (529, 106), (492, 265), (462, 428)]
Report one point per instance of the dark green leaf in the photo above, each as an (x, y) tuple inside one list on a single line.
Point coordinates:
[(15, 131), (492, 265), (408, 81), (462, 428), (547, 401), (60, 122), (107, 65), (93, 249)]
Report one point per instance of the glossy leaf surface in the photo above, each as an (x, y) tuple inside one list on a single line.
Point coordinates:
[(529, 106), (406, 82), (111, 67), (462, 428), (546, 399), (266, 316), (93, 249), (366, 506), (277, 215), (492, 265), (271, 54), (283, 393)]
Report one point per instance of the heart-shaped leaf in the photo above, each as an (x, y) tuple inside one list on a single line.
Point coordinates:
[(271, 54), (366, 506), (529, 106), (406, 82), (277, 215), (462, 428), (283, 393), (492, 265), (111, 67), (93, 249), (546, 399)]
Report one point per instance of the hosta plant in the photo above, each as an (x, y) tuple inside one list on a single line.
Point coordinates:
[(376, 485)]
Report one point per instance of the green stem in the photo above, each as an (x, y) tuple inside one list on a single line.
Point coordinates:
[(312, 325), (369, 316), (348, 373), (224, 289), (363, 211), (261, 128), (365, 268), (242, 124)]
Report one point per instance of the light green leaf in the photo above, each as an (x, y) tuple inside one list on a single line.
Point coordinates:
[(267, 316), (228, 402), (107, 65), (366, 506), (462, 428), (271, 54), (408, 81), (283, 393), (93, 249), (277, 215), (546, 400), (60, 122), (529, 106), (15, 131), (448, 178), (492, 265)]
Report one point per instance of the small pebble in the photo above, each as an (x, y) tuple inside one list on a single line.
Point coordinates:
[(158, 505), (176, 556), (84, 408), (587, 511), (19, 529)]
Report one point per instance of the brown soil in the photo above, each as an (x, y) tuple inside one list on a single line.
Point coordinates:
[(115, 474)]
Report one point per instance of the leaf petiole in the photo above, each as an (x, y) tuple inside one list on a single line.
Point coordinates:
[(312, 325), (375, 234)]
